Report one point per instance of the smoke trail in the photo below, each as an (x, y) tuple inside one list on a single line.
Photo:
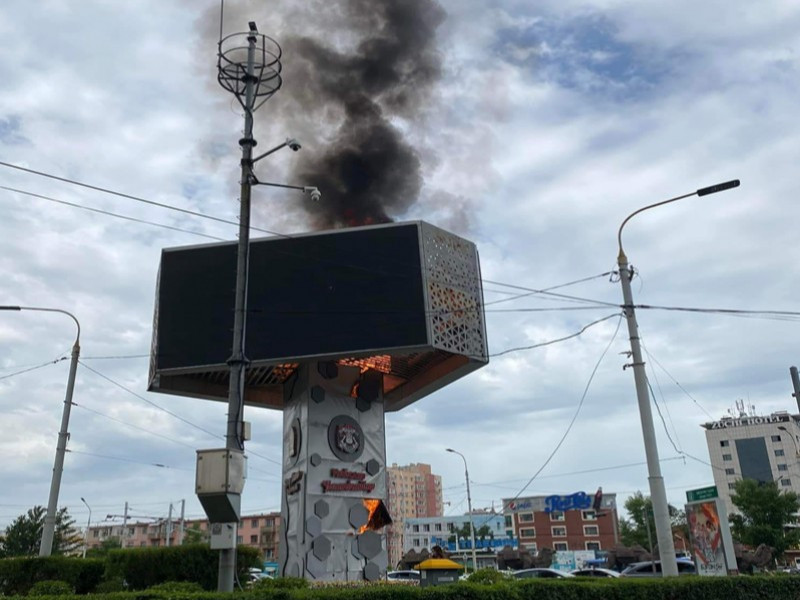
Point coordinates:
[(357, 80)]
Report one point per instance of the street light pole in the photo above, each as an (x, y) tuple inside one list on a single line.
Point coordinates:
[(88, 525), (658, 493), (48, 531), (469, 507)]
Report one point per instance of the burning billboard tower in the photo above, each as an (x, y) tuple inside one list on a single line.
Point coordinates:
[(343, 326)]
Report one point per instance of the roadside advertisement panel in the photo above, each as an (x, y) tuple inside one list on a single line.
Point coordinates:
[(706, 536)]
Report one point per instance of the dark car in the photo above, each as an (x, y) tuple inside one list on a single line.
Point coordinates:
[(645, 569)]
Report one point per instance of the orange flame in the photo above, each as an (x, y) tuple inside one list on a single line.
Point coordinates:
[(371, 505)]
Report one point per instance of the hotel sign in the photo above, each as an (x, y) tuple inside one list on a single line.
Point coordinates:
[(743, 421)]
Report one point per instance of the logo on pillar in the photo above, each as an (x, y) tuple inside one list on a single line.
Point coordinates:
[(345, 438)]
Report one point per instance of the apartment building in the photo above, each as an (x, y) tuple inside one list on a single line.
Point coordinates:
[(260, 531), (413, 492)]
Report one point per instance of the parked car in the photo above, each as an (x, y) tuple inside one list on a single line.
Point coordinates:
[(594, 572), (645, 569), (409, 575), (541, 572)]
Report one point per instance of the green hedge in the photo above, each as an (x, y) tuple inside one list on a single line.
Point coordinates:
[(142, 568), (18, 575), (681, 588)]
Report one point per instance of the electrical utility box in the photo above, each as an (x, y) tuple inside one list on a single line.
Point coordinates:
[(219, 482)]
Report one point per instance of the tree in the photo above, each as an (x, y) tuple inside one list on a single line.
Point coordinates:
[(24, 536), (194, 535), (111, 543), (765, 514), (633, 530)]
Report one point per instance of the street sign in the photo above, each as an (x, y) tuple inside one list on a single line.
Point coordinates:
[(706, 493)]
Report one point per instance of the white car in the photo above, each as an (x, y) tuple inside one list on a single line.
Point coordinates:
[(540, 573)]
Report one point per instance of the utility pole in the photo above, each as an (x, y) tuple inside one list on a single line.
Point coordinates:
[(125, 525), (183, 521), (796, 384), (658, 492), (169, 526)]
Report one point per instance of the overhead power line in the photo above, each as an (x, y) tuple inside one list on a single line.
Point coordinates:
[(549, 342), (109, 213)]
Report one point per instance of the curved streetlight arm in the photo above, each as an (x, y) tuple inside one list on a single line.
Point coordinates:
[(794, 440), (712, 189), (57, 310)]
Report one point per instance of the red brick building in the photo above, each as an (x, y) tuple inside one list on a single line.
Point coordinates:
[(562, 522)]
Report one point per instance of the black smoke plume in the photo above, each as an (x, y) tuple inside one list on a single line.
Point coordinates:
[(365, 91)]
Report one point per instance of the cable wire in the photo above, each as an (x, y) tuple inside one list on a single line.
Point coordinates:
[(549, 342), (109, 213), (29, 369), (150, 402), (574, 416)]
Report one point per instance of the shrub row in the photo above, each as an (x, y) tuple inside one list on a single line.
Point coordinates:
[(142, 568), (18, 575), (683, 588), (138, 568)]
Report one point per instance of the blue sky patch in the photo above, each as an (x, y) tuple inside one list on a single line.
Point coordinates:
[(10, 130), (585, 53)]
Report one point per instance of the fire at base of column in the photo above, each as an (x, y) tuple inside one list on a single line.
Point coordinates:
[(334, 470)]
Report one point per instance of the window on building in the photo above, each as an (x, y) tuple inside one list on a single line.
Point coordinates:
[(437, 526), (416, 542), (415, 528), (425, 542), (559, 531), (526, 517), (451, 526), (95, 533), (528, 532), (426, 527), (593, 545), (730, 471), (731, 486), (556, 515), (724, 443), (776, 438), (254, 523), (268, 553), (560, 547), (239, 539), (786, 482), (531, 547), (783, 468), (588, 515), (727, 457), (131, 530), (254, 539), (591, 530), (779, 452)]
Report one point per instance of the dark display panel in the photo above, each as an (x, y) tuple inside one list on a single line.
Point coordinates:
[(332, 293), (754, 459)]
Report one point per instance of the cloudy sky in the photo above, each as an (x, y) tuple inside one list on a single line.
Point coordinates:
[(533, 129)]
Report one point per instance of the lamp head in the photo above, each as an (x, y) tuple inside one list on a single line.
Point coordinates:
[(449, 450), (293, 144), (313, 192)]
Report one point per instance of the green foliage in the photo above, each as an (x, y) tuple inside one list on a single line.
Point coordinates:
[(172, 587), (50, 587), (18, 575), (194, 535), (143, 568), (24, 536), (115, 584), (280, 583), (633, 531), (764, 514), (487, 576), (107, 544)]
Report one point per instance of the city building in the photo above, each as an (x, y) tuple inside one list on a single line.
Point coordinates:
[(258, 531), (562, 522), (428, 532), (764, 448), (413, 492)]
